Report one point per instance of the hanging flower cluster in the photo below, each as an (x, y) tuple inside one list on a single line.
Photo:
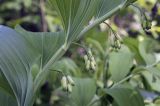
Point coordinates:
[(67, 83), (90, 61)]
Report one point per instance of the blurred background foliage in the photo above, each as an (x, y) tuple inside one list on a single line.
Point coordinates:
[(139, 52)]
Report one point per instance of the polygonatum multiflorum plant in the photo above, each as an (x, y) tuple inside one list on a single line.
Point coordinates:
[(21, 51)]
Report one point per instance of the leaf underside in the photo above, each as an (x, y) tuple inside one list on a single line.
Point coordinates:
[(19, 50)]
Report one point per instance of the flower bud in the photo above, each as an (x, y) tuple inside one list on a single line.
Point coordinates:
[(70, 80), (117, 44), (88, 65), (110, 83), (85, 59), (89, 52), (69, 88), (64, 82), (93, 66), (149, 25), (146, 24), (92, 59)]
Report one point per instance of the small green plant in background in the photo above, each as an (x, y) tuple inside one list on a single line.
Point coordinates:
[(27, 58)]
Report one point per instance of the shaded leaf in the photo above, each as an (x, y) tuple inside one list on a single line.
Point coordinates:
[(83, 92), (146, 51), (7, 100), (152, 80), (125, 96), (105, 6), (133, 45), (120, 64)]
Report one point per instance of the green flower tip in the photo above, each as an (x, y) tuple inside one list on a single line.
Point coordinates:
[(147, 24)]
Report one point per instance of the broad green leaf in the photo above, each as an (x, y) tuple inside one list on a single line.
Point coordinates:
[(125, 96), (19, 51), (155, 71), (146, 51), (43, 45), (133, 45), (120, 63), (76, 14), (4, 86), (83, 92), (14, 63), (152, 80), (7, 100), (106, 6)]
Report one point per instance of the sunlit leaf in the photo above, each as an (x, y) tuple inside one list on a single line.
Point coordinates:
[(19, 50), (76, 14)]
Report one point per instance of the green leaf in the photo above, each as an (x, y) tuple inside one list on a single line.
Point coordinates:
[(27, 3), (146, 51), (19, 51), (76, 14), (133, 45), (155, 71), (83, 91), (152, 80), (125, 96), (4, 86), (7, 100), (120, 64), (106, 6)]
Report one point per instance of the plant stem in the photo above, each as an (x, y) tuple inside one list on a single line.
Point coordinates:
[(58, 72), (152, 65), (79, 45), (85, 48), (114, 33), (142, 13), (123, 80), (40, 78), (43, 21), (101, 19)]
